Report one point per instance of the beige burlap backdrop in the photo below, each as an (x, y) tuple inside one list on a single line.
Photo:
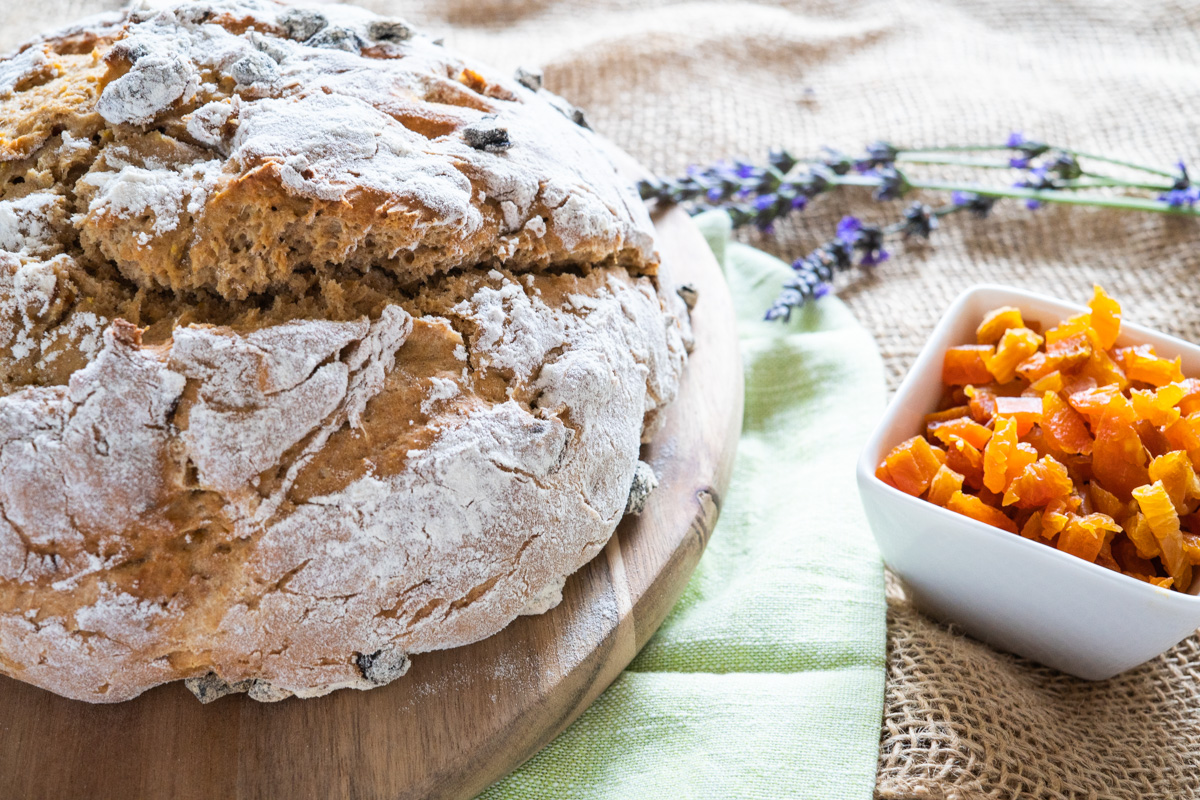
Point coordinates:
[(677, 83)]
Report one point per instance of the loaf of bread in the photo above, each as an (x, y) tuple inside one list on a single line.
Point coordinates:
[(320, 346)]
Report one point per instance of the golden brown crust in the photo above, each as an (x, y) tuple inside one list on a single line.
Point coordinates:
[(280, 406)]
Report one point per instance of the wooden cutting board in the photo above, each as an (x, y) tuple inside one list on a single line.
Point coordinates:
[(460, 719)]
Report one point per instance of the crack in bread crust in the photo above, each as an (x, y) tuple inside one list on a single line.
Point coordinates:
[(271, 419)]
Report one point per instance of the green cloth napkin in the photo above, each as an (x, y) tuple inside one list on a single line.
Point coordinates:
[(766, 680)]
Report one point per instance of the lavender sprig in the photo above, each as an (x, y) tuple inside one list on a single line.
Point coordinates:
[(761, 195)]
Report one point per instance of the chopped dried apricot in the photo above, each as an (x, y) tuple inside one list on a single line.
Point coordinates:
[(982, 402), (1105, 317), (910, 467), (1063, 426), (1032, 529), (1016, 345), (1164, 524), (1175, 472), (1126, 554), (1086, 536), (1056, 436), (1190, 403), (1039, 485), (1027, 411), (996, 322), (954, 412), (1118, 456), (971, 506), (964, 458), (1157, 407), (1184, 434), (1051, 382), (1094, 403), (1070, 352), (1142, 364), (996, 455), (1078, 325), (1106, 502), (945, 483), (966, 364), (964, 427)]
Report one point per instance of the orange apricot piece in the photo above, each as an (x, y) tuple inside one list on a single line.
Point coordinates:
[(1032, 529), (1142, 364), (1027, 411), (1142, 537), (1105, 317), (1095, 402), (966, 428), (945, 483), (1050, 382), (996, 322), (966, 364), (1086, 536), (1038, 366), (1160, 515), (1184, 434), (911, 465), (1190, 403), (996, 455), (1157, 407), (1063, 426), (1106, 371), (964, 458), (982, 402), (1175, 472), (1118, 456), (954, 412), (1016, 345), (1191, 548), (1039, 484), (1126, 554), (1106, 502), (1069, 352), (1078, 325), (971, 506)]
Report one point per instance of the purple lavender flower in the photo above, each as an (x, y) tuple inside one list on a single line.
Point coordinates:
[(879, 154), (1182, 192), (919, 221), (979, 206), (866, 239), (745, 170), (1065, 166), (1038, 179), (836, 161), (891, 183), (1028, 149), (848, 228), (764, 202)]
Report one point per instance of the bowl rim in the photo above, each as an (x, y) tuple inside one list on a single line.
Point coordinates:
[(931, 351)]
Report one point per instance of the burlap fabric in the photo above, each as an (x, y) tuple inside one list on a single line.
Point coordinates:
[(694, 81)]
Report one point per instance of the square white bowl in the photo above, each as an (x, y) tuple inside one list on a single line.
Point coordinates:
[(1013, 593)]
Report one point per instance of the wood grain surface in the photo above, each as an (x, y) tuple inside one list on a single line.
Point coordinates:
[(460, 719)]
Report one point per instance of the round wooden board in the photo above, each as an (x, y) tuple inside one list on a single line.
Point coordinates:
[(460, 719)]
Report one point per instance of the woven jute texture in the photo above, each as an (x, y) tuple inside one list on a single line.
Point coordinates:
[(678, 83)]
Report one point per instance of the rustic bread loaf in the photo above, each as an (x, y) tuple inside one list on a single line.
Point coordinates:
[(320, 346)]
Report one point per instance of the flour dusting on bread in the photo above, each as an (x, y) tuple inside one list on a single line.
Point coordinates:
[(320, 347)]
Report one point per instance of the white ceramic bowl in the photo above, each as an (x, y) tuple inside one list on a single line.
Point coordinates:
[(1015, 594)]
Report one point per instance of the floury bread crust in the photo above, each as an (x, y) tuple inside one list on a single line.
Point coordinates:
[(319, 347)]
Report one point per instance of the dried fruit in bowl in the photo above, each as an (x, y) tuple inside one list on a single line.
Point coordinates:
[(1067, 440)]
